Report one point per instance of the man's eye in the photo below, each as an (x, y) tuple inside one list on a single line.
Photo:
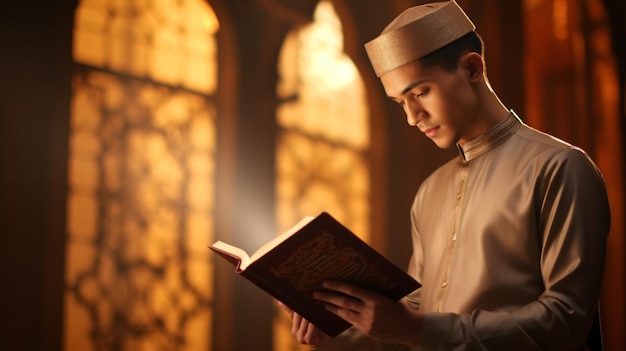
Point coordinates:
[(424, 92)]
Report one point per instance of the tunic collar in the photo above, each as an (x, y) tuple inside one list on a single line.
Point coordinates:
[(491, 139)]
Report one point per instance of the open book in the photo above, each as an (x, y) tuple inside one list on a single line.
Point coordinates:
[(296, 263)]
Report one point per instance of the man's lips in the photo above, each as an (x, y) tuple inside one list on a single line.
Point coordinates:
[(431, 132)]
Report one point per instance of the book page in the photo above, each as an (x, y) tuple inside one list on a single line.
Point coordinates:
[(234, 252), (279, 239)]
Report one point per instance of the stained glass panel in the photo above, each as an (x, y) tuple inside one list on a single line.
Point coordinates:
[(139, 216), (167, 41), (141, 175), (322, 161)]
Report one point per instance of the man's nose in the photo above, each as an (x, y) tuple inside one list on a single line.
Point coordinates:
[(413, 112)]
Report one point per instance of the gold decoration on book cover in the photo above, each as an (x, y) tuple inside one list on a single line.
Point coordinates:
[(321, 259)]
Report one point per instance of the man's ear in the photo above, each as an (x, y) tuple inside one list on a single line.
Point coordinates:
[(473, 64)]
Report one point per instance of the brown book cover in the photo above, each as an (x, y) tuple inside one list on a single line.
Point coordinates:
[(295, 264)]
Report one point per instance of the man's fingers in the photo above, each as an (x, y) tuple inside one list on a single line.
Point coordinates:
[(303, 330), (339, 299), (348, 289), (296, 324), (313, 335), (286, 308)]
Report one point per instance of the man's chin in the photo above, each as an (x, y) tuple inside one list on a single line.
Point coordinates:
[(443, 144)]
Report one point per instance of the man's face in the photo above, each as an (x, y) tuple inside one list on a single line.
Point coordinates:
[(441, 104)]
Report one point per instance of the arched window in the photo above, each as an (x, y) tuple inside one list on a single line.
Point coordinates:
[(322, 155), (141, 176)]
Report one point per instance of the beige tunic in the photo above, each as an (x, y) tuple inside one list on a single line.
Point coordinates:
[(509, 244)]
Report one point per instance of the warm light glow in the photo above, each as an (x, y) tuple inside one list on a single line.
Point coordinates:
[(325, 130), (331, 96), (572, 92), (209, 21), (560, 19), (321, 155), (141, 177), (168, 42)]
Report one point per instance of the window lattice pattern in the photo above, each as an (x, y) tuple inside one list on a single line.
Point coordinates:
[(141, 175), (139, 217), (322, 159), (324, 109), (167, 41), (316, 175)]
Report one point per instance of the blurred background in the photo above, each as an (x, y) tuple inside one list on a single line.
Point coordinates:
[(135, 133)]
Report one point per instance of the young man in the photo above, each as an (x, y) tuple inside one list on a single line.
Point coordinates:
[(509, 237)]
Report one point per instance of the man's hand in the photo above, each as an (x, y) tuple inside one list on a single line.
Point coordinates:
[(374, 314), (305, 332)]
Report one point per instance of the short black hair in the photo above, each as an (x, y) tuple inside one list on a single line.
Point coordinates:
[(448, 56)]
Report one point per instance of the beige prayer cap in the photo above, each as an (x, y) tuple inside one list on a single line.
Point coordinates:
[(417, 32)]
